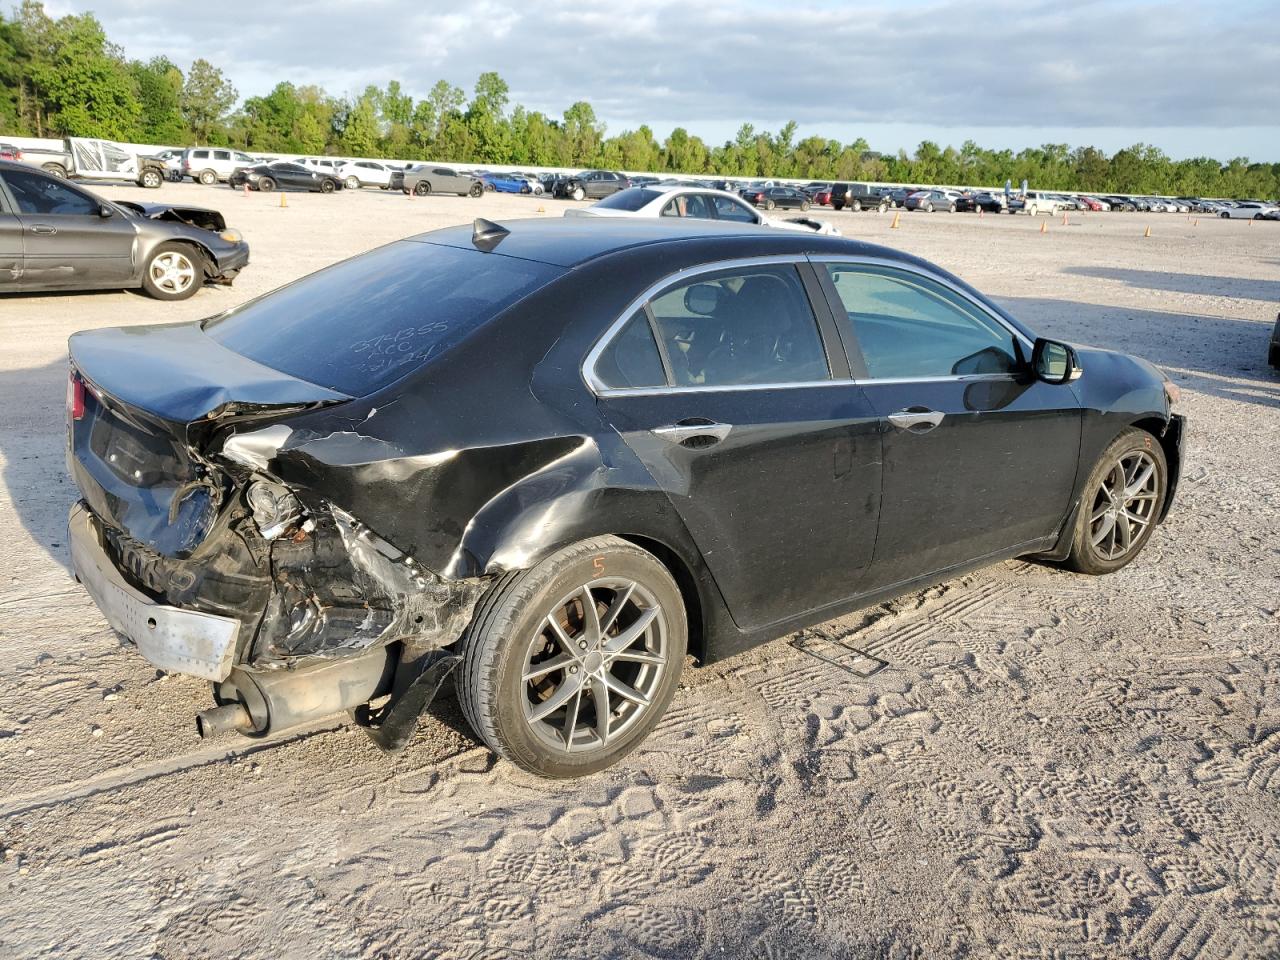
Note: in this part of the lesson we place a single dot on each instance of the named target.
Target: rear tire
(328, 186)
(578, 193)
(804, 205)
(769, 204)
(150, 179)
(857, 206)
(1120, 504)
(174, 271)
(57, 169)
(512, 637)
(266, 184)
(421, 188)
(476, 191)
(208, 177)
(353, 183)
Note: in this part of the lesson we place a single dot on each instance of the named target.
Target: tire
(882, 208)
(928, 208)
(353, 183)
(1131, 453)
(804, 205)
(578, 193)
(837, 206)
(951, 209)
(266, 184)
(857, 206)
(769, 204)
(476, 191)
(57, 169)
(208, 177)
(1257, 216)
(328, 185)
(1224, 215)
(1033, 211)
(511, 632)
(174, 271)
(150, 179)
(421, 188)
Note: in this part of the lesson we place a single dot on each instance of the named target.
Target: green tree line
(64, 77)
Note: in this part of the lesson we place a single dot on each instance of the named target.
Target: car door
(10, 246)
(725, 383)
(67, 243)
(979, 456)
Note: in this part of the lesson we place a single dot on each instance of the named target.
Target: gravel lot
(1050, 766)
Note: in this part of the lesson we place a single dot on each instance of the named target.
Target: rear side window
(743, 326)
(364, 323)
(631, 200)
(631, 358)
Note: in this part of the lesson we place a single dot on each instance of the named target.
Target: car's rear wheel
(769, 204)
(857, 206)
(208, 177)
(1033, 211)
(567, 666)
(578, 193)
(928, 208)
(804, 205)
(150, 179)
(266, 184)
(421, 188)
(476, 191)
(951, 208)
(174, 271)
(328, 186)
(1123, 499)
(353, 183)
(838, 206)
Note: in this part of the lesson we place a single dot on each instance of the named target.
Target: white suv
(365, 173)
(327, 165)
(208, 165)
(1036, 202)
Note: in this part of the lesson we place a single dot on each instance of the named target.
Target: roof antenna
(486, 234)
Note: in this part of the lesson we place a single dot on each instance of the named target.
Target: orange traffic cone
(1148, 233)
(283, 202)
(979, 213)
(894, 225)
(542, 209)
(1044, 226)
(1195, 222)
(246, 188)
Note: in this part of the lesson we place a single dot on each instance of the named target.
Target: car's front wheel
(567, 666)
(353, 183)
(1122, 501)
(150, 179)
(174, 272)
(328, 186)
(208, 178)
(476, 191)
(422, 188)
(266, 184)
(578, 193)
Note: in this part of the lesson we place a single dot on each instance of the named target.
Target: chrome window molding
(600, 389)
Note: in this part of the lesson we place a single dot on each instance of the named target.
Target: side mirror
(1054, 362)
(105, 211)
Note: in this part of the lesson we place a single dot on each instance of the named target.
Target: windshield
(631, 200)
(364, 323)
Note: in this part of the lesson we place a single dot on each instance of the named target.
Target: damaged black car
(55, 235)
(552, 459)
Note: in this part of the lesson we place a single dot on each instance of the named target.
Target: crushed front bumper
(182, 641)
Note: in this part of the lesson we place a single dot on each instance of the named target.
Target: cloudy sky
(1194, 78)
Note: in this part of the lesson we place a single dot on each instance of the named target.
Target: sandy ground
(1050, 766)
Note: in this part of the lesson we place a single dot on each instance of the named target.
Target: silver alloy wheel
(353, 183)
(172, 272)
(595, 666)
(1124, 505)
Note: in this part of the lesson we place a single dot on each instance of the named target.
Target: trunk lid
(152, 396)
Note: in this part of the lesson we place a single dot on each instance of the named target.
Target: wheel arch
(1168, 432)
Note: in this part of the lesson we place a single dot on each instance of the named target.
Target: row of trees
(65, 77)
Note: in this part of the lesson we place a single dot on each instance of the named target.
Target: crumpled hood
(175, 372)
(197, 216)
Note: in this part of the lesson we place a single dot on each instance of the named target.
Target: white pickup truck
(86, 159)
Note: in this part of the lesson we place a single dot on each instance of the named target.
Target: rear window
(364, 323)
(632, 199)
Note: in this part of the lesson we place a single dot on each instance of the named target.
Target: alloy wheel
(172, 272)
(1124, 505)
(595, 665)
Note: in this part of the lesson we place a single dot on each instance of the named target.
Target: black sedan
(690, 437)
(56, 235)
(284, 175)
(787, 198)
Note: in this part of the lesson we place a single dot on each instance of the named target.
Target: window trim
(847, 342)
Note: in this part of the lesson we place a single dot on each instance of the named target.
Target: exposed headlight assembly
(231, 236)
(274, 508)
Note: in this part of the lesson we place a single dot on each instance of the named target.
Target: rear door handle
(694, 434)
(43, 229)
(916, 419)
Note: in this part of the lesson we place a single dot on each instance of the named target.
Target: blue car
(505, 184)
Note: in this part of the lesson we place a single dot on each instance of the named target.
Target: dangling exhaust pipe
(256, 703)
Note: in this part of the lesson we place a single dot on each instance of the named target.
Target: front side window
(727, 209)
(742, 326)
(908, 326)
(45, 196)
(693, 205)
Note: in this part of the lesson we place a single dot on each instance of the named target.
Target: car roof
(572, 241)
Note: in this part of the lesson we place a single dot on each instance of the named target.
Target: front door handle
(916, 419)
(43, 229)
(694, 434)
